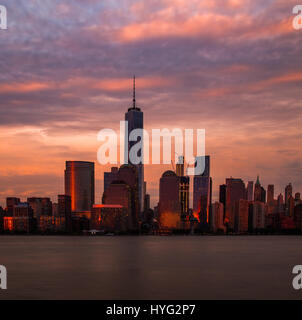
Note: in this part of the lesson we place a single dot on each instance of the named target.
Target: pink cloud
(23, 87)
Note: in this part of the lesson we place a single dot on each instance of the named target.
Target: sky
(231, 67)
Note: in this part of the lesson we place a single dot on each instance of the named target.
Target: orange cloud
(118, 84)
(291, 77)
(23, 87)
(269, 30)
(124, 83)
(286, 78)
(207, 24)
(171, 23)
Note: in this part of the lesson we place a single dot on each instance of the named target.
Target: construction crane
(173, 166)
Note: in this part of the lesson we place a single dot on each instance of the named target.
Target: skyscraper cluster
(250, 208)
(242, 208)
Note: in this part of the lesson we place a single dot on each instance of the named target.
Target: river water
(172, 267)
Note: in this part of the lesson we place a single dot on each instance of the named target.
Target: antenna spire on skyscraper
(134, 106)
(134, 98)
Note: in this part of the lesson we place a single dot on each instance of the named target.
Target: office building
(235, 191)
(241, 223)
(109, 177)
(202, 193)
(259, 193)
(184, 195)
(79, 185)
(222, 197)
(23, 220)
(256, 216)
(124, 191)
(217, 220)
(288, 195)
(109, 218)
(169, 209)
(10, 203)
(270, 194)
(40, 206)
(250, 191)
(135, 120)
(63, 220)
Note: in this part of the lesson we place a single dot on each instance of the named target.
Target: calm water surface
(150, 267)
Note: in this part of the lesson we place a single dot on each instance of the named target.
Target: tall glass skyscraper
(135, 118)
(79, 185)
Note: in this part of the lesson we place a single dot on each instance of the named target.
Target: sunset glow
(231, 67)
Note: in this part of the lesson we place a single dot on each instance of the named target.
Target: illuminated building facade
(1, 220)
(79, 185)
(109, 218)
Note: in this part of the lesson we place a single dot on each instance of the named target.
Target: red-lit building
(8, 224)
(46, 224)
(109, 218)
(79, 184)
(1, 219)
(23, 220)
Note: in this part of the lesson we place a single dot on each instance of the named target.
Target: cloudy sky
(233, 67)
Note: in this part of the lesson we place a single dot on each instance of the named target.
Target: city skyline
(150, 153)
(240, 80)
(136, 121)
(80, 170)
